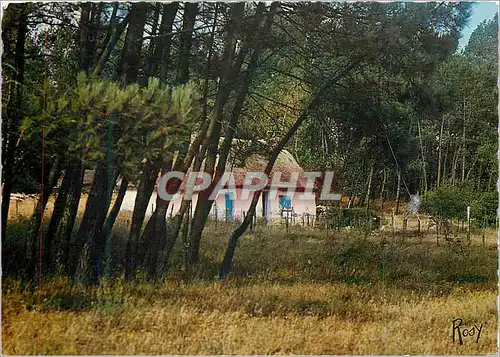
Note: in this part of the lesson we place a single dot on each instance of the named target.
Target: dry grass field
(302, 292)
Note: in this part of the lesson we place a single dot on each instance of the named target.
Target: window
(285, 202)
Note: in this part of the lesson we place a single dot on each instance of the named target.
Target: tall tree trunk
(131, 55)
(110, 46)
(85, 46)
(479, 176)
(464, 145)
(369, 186)
(204, 204)
(162, 51)
(440, 150)
(212, 140)
(382, 190)
(109, 223)
(15, 16)
(155, 231)
(422, 151)
(153, 42)
(36, 223)
(454, 166)
(190, 12)
(88, 240)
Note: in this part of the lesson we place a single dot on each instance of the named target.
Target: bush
(484, 209)
(448, 202)
(352, 217)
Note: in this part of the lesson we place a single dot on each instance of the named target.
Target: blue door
(229, 206)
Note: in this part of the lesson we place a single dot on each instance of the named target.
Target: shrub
(448, 202)
(352, 217)
(484, 209)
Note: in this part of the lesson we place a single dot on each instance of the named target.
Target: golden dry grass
(304, 292)
(225, 318)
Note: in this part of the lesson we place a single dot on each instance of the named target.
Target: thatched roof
(253, 159)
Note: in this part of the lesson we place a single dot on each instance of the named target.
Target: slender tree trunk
(110, 220)
(479, 176)
(398, 191)
(440, 149)
(454, 166)
(153, 42)
(188, 19)
(144, 192)
(490, 180)
(445, 165)
(65, 231)
(464, 145)
(472, 166)
(57, 213)
(382, 190)
(155, 228)
(422, 151)
(85, 47)
(369, 186)
(110, 46)
(131, 55)
(162, 52)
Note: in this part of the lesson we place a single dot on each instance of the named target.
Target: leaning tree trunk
(398, 191)
(59, 207)
(87, 262)
(204, 203)
(144, 192)
(369, 187)
(196, 150)
(233, 240)
(33, 239)
(110, 220)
